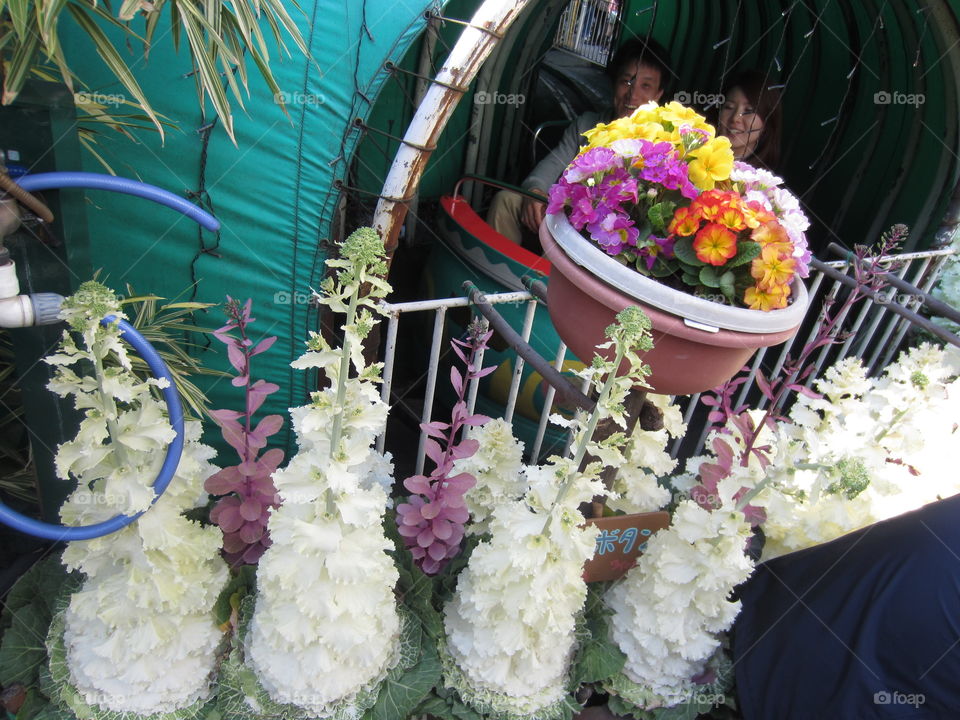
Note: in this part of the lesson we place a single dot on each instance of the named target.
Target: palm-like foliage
(170, 329)
(219, 37)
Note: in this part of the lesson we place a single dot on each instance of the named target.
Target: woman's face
(739, 121)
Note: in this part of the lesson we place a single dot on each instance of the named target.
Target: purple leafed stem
(431, 521)
(792, 378)
(247, 487)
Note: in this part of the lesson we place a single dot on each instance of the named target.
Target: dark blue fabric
(866, 626)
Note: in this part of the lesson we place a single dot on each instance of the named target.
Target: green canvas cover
(273, 192)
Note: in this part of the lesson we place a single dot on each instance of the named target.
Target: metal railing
(588, 28)
(875, 335)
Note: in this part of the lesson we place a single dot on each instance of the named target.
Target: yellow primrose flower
(711, 163)
(772, 268)
(773, 298)
(678, 114)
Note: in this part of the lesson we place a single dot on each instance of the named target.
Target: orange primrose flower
(732, 218)
(772, 268)
(774, 298)
(686, 221)
(714, 244)
(773, 234)
(756, 214)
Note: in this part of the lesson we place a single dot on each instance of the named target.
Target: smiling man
(638, 71)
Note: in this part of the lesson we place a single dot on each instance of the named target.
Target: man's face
(635, 85)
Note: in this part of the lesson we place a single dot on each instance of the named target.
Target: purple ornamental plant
(431, 521)
(247, 487)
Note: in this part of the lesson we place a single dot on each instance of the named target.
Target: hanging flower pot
(698, 344)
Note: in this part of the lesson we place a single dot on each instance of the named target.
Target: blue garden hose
(171, 461)
(98, 181)
(48, 181)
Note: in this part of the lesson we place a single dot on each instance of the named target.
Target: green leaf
(22, 650)
(691, 280)
(243, 583)
(111, 57)
(708, 276)
(727, 285)
(399, 697)
(620, 707)
(24, 57)
(684, 251)
(661, 214)
(20, 16)
(446, 705)
(746, 252)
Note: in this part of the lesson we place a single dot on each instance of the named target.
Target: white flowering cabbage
(139, 635)
(636, 488)
(670, 610)
(869, 449)
(510, 627)
(497, 466)
(325, 630)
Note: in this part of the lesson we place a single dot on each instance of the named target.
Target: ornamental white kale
(510, 625)
(868, 449)
(325, 629)
(669, 610)
(636, 488)
(498, 468)
(139, 634)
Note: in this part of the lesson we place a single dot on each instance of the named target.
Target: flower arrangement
(139, 635)
(660, 192)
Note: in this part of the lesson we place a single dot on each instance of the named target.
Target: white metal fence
(588, 28)
(875, 336)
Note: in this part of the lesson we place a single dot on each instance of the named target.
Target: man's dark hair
(647, 52)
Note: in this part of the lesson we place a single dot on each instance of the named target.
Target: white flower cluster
(510, 625)
(497, 466)
(325, 628)
(140, 635)
(646, 459)
(869, 449)
(669, 610)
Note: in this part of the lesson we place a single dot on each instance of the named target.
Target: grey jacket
(548, 170)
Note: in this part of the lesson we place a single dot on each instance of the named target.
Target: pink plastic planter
(686, 359)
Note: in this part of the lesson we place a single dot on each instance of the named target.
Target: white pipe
(16, 310)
